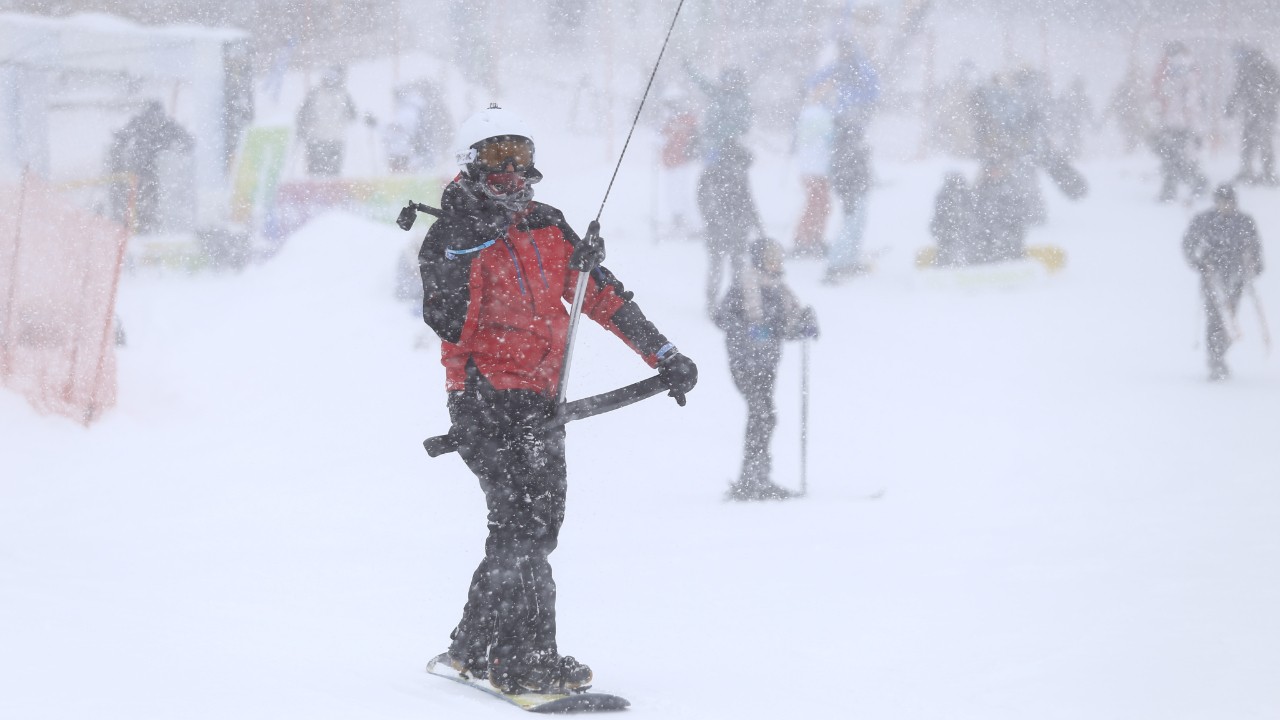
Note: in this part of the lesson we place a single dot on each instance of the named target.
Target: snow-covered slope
(1074, 523)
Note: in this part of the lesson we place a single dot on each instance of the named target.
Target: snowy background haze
(1025, 500)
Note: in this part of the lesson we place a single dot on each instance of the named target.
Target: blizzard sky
(1073, 523)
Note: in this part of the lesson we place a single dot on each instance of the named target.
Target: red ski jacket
(497, 297)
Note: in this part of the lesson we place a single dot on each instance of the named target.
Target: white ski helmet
(491, 122)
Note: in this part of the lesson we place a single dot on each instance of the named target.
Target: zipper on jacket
(515, 260)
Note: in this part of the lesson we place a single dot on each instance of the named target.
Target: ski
(575, 702)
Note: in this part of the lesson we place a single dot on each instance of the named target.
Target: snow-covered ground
(1074, 523)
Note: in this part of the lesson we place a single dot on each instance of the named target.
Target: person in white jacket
(815, 129)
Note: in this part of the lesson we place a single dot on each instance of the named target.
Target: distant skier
(495, 275)
(1222, 245)
(814, 134)
(322, 122)
(1180, 114)
(678, 157)
(757, 315)
(851, 180)
(134, 158)
(1010, 122)
(857, 89)
(728, 212)
(1255, 97)
(1003, 214)
(1127, 106)
(952, 226)
(420, 128)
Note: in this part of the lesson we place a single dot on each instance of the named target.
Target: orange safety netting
(59, 270)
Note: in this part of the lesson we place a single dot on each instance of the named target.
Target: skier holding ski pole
(1222, 245)
(757, 315)
(496, 268)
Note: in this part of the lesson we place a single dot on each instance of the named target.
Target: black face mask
(509, 190)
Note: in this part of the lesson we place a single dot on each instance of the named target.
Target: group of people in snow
(413, 139)
(498, 268)
(987, 222)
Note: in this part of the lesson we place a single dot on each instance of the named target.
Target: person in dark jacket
(1255, 97)
(757, 315)
(496, 272)
(728, 214)
(952, 225)
(1222, 245)
(857, 89)
(851, 181)
(1002, 213)
(134, 159)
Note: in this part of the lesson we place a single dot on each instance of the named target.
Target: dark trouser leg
(1248, 148)
(147, 202)
(1218, 302)
(1259, 133)
(756, 380)
(1186, 169)
(1168, 181)
(1170, 146)
(510, 608)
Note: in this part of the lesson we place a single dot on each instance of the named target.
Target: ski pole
(1262, 319)
(804, 417)
(593, 230)
(575, 311)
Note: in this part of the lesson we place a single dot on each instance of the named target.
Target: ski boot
(768, 491)
(757, 490)
(1218, 372)
(469, 667)
(543, 671)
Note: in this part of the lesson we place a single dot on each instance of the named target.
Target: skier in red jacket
(496, 270)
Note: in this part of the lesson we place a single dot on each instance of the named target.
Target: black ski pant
(511, 605)
(1220, 303)
(755, 375)
(1256, 141)
(1177, 165)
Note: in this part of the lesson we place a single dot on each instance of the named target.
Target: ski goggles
(498, 154)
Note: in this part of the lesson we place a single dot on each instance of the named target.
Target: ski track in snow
(1076, 524)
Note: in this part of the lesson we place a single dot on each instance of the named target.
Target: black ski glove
(588, 253)
(679, 373)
